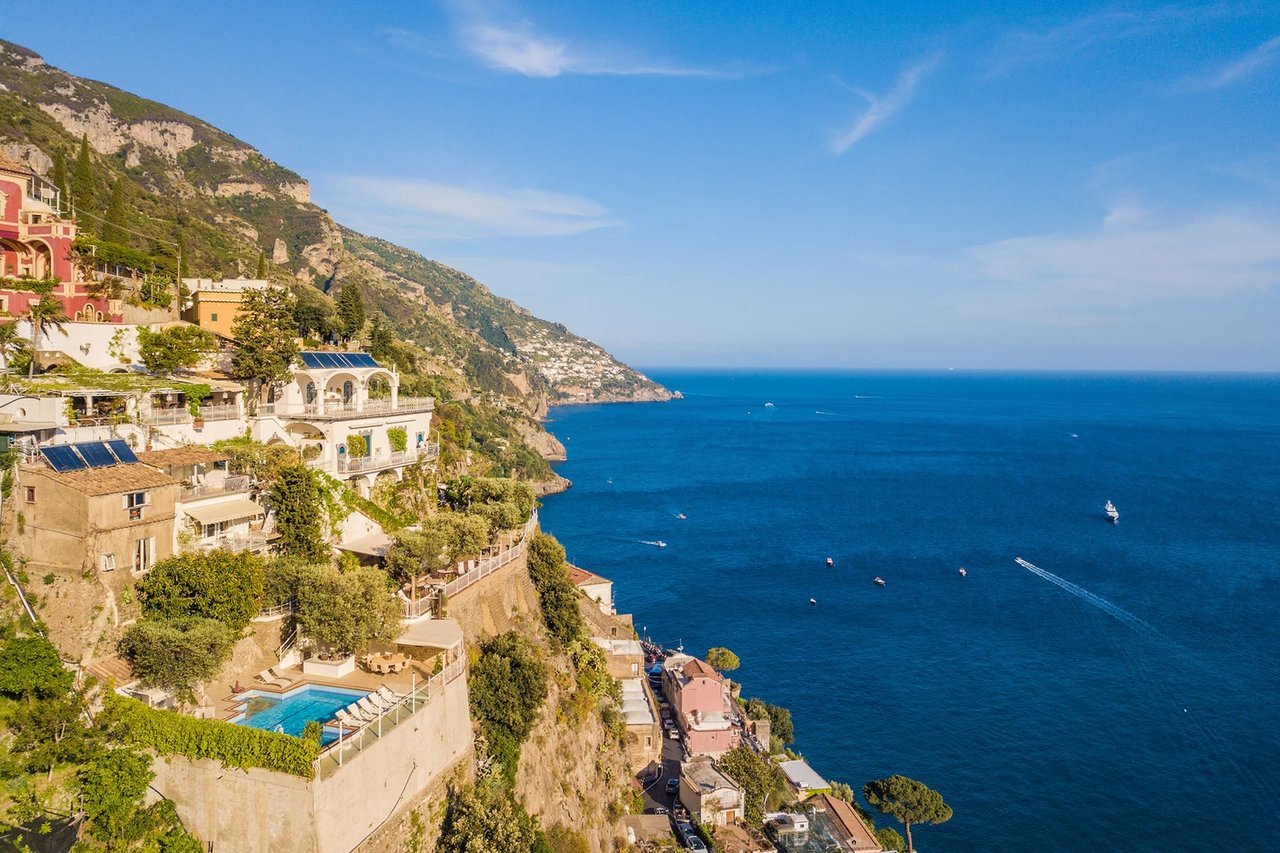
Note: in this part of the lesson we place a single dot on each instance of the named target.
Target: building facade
(701, 705)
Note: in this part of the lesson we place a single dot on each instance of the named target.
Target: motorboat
(830, 562)
(681, 516)
(813, 601)
(963, 572)
(879, 581)
(1112, 512)
(768, 405)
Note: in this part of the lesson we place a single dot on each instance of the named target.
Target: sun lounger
(380, 703)
(270, 677)
(359, 713)
(369, 708)
(278, 672)
(388, 694)
(348, 720)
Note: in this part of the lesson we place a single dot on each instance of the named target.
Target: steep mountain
(194, 191)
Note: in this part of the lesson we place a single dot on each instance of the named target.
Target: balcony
(252, 542)
(218, 413)
(162, 417)
(229, 486)
(354, 465)
(348, 411)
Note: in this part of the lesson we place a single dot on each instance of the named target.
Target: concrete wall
(238, 811)
(89, 343)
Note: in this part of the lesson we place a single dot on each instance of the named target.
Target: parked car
(658, 810)
(690, 838)
(673, 733)
(673, 784)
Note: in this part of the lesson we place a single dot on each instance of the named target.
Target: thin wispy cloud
(1259, 59)
(516, 46)
(1135, 260)
(1029, 47)
(881, 108)
(422, 209)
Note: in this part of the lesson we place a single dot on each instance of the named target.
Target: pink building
(35, 242)
(701, 705)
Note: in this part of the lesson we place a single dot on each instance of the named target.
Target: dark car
(673, 785)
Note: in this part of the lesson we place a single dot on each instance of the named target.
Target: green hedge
(170, 733)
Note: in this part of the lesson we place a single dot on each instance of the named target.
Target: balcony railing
(219, 413)
(355, 464)
(230, 485)
(252, 542)
(348, 411)
(167, 416)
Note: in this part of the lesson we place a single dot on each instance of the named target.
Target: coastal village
(273, 585)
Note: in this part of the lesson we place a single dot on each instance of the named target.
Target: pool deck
(402, 682)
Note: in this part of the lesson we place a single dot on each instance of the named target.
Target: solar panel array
(337, 359)
(88, 454)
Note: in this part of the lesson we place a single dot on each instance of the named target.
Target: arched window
(347, 391)
(311, 392)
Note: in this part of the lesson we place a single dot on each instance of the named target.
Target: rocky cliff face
(194, 184)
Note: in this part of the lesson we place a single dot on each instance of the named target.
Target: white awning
(373, 544)
(433, 634)
(212, 513)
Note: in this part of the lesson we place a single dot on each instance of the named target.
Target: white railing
(219, 413)
(167, 416)
(269, 614)
(252, 542)
(348, 411)
(353, 741)
(505, 556)
(350, 464)
(229, 486)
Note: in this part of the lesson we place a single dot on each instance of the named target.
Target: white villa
(350, 408)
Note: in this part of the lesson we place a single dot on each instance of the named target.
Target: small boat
(768, 405)
(681, 516)
(879, 581)
(1112, 512)
(830, 562)
(813, 601)
(963, 572)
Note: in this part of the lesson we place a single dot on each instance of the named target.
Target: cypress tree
(83, 194)
(59, 178)
(113, 226)
(262, 266)
(350, 310)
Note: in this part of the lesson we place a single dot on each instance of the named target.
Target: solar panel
(345, 359)
(363, 359)
(310, 359)
(63, 458)
(95, 453)
(332, 360)
(122, 450)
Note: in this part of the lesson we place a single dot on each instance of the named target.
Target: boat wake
(657, 543)
(1117, 613)
(824, 413)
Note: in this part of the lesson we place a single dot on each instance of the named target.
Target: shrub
(559, 597)
(779, 718)
(30, 666)
(357, 446)
(398, 438)
(177, 654)
(508, 684)
(170, 733)
(218, 585)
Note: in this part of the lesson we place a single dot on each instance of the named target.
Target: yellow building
(215, 305)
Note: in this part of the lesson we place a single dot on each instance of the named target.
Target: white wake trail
(1117, 613)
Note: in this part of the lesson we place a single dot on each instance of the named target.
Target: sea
(1120, 694)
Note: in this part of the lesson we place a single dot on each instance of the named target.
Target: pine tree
(350, 313)
(113, 226)
(262, 266)
(59, 178)
(83, 194)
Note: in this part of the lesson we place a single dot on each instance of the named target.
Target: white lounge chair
(389, 695)
(382, 704)
(369, 708)
(269, 677)
(359, 713)
(278, 672)
(348, 720)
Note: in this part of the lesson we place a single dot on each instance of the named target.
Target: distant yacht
(879, 581)
(830, 562)
(813, 601)
(963, 572)
(768, 405)
(681, 516)
(1112, 512)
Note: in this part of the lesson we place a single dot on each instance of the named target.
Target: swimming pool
(289, 712)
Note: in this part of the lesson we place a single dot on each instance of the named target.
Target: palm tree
(45, 314)
(10, 343)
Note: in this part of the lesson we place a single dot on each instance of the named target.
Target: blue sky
(976, 185)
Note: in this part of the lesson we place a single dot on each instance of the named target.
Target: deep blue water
(1139, 712)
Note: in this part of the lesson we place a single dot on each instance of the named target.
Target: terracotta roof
(848, 822)
(115, 480)
(8, 164)
(697, 669)
(582, 576)
(193, 455)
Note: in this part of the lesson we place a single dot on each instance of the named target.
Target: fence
(219, 413)
(348, 464)
(167, 416)
(354, 741)
(231, 485)
(505, 556)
